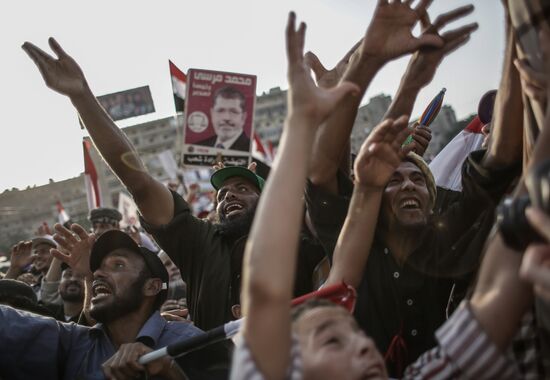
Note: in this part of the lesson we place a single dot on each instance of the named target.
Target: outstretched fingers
(458, 37)
(39, 56)
(79, 231)
(442, 20)
(64, 237)
(56, 47)
(380, 131)
(313, 62)
(294, 39)
(397, 128)
(422, 6)
(66, 258)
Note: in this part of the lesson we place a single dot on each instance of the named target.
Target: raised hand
(75, 246)
(330, 78)
(425, 61)
(381, 153)
(389, 34)
(21, 255)
(62, 74)
(305, 98)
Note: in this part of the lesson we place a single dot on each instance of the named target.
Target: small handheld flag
(430, 113)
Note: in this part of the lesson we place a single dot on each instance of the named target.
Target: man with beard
(228, 116)
(71, 294)
(209, 255)
(129, 285)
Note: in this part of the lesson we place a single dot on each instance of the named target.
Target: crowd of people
(430, 283)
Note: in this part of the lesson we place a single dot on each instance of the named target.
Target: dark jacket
(211, 263)
(406, 303)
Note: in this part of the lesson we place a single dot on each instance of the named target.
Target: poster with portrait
(219, 113)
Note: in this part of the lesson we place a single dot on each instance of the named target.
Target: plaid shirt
(526, 349)
(464, 351)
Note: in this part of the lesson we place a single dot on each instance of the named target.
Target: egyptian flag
(90, 178)
(262, 154)
(447, 165)
(179, 81)
(63, 218)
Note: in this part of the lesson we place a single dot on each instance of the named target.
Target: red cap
(341, 294)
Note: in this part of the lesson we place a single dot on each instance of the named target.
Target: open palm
(62, 74)
(381, 153)
(74, 249)
(390, 35)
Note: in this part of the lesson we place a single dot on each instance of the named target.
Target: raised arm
(424, 63)
(506, 139)
(62, 74)
(423, 66)
(49, 289)
(378, 158)
(388, 37)
(270, 255)
(501, 294)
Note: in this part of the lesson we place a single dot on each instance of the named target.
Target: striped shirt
(464, 351)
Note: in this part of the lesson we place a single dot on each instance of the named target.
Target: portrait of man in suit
(228, 115)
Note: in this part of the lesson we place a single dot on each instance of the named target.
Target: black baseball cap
(115, 239)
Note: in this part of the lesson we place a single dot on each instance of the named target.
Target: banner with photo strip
(130, 103)
(219, 113)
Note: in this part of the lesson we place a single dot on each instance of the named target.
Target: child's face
(334, 347)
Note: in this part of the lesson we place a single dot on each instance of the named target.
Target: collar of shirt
(227, 144)
(149, 334)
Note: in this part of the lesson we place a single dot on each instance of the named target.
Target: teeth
(101, 289)
(410, 203)
(234, 207)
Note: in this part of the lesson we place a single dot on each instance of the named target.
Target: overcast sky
(123, 44)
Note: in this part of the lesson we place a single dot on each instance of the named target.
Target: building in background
(444, 128)
(22, 211)
(368, 117)
(269, 116)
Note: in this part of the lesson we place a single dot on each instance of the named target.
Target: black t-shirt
(211, 263)
(406, 304)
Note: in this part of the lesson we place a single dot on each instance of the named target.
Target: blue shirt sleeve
(33, 346)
